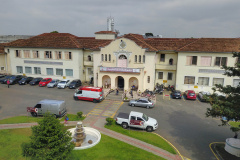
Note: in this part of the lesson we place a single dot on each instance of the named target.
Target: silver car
(142, 102)
(203, 95)
(53, 83)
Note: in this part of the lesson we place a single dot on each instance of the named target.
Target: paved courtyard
(181, 122)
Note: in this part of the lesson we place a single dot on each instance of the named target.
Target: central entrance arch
(119, 81)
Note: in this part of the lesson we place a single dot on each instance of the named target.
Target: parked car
(190, 94)
(176, 94)
(35, 81)
(2, 75)
(137, 120)
(44, 82)
(54, 107)
(203, 95)
(25, 80)
(15, 79)
(4, 80)
(142, 102)
(53, 83)
(63, 84)
(75, 83)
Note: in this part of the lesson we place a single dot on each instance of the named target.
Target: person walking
(8, 82)
(66, 119)
(117, 91)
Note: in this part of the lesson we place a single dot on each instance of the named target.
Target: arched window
(109, 57)
(89, 58)
(170, 61)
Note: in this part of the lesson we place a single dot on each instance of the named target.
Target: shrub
(109, 121)
(79, 114)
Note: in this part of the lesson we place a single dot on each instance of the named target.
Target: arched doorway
(106, 81)
(133, 81)
(122, 61)
(119, 82)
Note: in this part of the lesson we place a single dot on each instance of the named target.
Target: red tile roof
(66, 40)
(2, 47)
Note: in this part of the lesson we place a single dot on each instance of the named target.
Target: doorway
(120, 82)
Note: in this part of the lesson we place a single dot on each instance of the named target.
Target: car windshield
(44, 80)
(24, 79)
(191, 94)
(62, 82)
(73, 82)
(35, 79)
(8, 77)
(145, 117)
(53, 81)
(13, 77)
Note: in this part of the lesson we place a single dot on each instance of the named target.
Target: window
(26, 53)
(109, 57)
(68, 55)
(69, 72)
(218, 81)
(206, 61)
(102, 57)
(221, 61)
(59, 72)
(18, 53)
(48, 54)
(148, 79)
(49, 71)
(162, 58)
(236, 82)
(143, 58)
(203, 81)
(237, 60)
(35, 54)
(19, 69)
(189, 80)
(191, 60)
(37, 70)
(139, 59)
(135, 59)
(28, 70)
(8, 50)
(133, 118)
(105, 57)
(170, 75)
(58, 55)
(89, 58)
(170, 61)
(160, 75)
(2, 68)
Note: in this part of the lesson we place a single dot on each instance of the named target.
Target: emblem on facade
(122, 44)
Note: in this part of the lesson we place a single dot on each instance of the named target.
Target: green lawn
(143, 136)
(108, 148)
(234, 124)
(30, 119)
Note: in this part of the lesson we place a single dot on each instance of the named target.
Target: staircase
(113, 96)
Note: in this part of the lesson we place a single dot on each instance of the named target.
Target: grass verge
(143, 136)
(30, 119)
(234, 124)
(108, 148)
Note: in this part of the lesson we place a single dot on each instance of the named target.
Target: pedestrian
(8, 82)
(106, 85)
(66, 119)
(117, 91)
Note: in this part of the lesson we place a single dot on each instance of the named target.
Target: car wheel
(132, 105)
(147, 107)
(34, 114)
(124, 125)
(149, 129)
(94, 101)
(75, 98)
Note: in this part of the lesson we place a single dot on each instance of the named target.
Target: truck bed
(123, 115)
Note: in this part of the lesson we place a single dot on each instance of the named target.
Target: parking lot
(182, 122)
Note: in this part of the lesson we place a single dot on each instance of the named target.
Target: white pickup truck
(137, 120)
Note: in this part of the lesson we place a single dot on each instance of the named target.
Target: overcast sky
(169, 18)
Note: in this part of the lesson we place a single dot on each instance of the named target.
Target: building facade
(124, 61)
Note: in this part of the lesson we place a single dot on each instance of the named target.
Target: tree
(49, 140)
(149, 34)
(227, 106)
(54, 32)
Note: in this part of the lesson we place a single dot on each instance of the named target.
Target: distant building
(10, 38)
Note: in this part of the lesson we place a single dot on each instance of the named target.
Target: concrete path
(98, 123)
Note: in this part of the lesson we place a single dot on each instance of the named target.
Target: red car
(190, 94)
(44, 82)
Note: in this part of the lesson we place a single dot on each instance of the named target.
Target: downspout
(6, 61)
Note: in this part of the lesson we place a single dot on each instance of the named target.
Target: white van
(94, 94)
